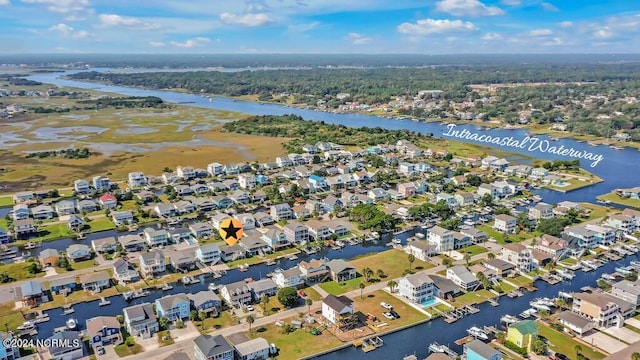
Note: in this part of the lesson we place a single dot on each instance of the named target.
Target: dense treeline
(81, 153)
(126, 102)
(310, 132)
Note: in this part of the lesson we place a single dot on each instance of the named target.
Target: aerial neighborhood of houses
(474, 222)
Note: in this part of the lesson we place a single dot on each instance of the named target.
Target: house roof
(178, 356)
(338, 265)
(422, 245)
(262, 285)
(525, 327)
(171, 301)
(601, 300)
(443, 284)
(152, 255)
(48, 253)
(574, 319)
(482, 349)
(104, 241)
(65, 341)
(71, 279)
(31, 288)
(418, 279)
(77, 247)
(211, 346)
(251, 346)
(95, 325)
(202, 297)
(439, 231)
(499, 264)
(628, 287)
(462, 273)
(143, 311)
(93, 277)
(338, 303)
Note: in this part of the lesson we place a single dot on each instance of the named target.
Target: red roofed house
(108, 201)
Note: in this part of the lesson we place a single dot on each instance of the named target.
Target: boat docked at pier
(477, 333)
(509, 319)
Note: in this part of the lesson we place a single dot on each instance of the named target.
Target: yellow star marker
(231, 231)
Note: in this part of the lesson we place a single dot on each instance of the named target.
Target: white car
(389, 316)
(386, 306)
(249, 307)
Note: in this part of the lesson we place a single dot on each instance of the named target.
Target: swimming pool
(429, 303)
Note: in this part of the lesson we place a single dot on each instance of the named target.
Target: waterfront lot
(393, 262)
(616, 199)
(370, 304)
(564, 344)
(473, 297)
(335, 288)
(223, 320)
(604, 342)
(596, 211)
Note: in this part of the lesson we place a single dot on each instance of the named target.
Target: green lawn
(335, 288)
(312, 294)
(473, 250)
(101, 224)
(12, 318)
(6, 201)
(569, 261)
(597, 211)
(521, 281)
(506, 287)
(211, 324)
(87, 264)
(297, 344)
(123, 350)
(562, 343)
(18, 271)
(473, 297)
(55, 231)
(165, 338)
(616, 199)
(498, 235)
(393, 262)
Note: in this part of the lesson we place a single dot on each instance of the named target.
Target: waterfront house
(65, 207)
(444, 288)
(253, 245)
(462, 277)
(627, 291)
(121, 218)
(622, 222)
(86, 206)
(247, 181)
(551, 245)
(101, 183)
(184, 207)
(183, 190)
(275, 238)
(604, 235)
(313, 271)
(281, 212)
(177, 235)
(75, 223)
(208, 347)
(505, 223)
(173, 307)
(247, 220)
(137, 179)
(23, 196)
(441, 238)
(48, 257)
(183, 260)
(170, 178)
(23, 227)
(156, 237)
(231, 184)
(318, 229)
(477, 350)
(201, 230)
(519, 255)
(488, 189)
(231, 253)
(501, 267)
(152, 263)
(604, 310)
(541, 211)
(255, 349)
(291, 277)
(580, 237)
(523, 333)
(30, 293)
(575, 322)
(335, 309)
(140, 320)
(240, 197)
(78, 252)
(215, 169)
(124, 272)
(96, 281)
(341, 270)
(417, 288)
(420, 249)
(236, 294)
(538, 173)
(296, 233)
(42, 212)
(20, 212)
(208, 254)
(81, 186)
(65, 284)
(108, 201)
(206, 301)
(132, 243)
(186, 172)
(263, 287)
(65, 345)
(103, 330)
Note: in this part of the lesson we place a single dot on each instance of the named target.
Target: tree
(194, 315)
(500, 336)
(486, 200)
(163, 322)
(250, 320)
(562, 303)
(288, 296)
(367, 273)
(467, 257)
(578, 349)
(202, 315)
(361, 288)
(392, 285)
(447, 262)
(539, 347)
(491, 255)
(635, 356)
(264, 300)
(411, 259)
(308, 302)
(380, 273)
(179, 323)
(120, 319)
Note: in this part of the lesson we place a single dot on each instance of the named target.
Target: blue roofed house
(30, 293)
(208, 254)
(173, 307)
(63, 284)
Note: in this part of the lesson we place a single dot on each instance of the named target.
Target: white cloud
(248, 20)
(427, 27)
(603, 33)
(191, 43)
(549, 6)
(156, 43)
(74, 18)
(511, 2)
(61, 6)
(68, 31)
(4, 2)
(491, 36)
(357, 39)
(472, 8)
(113, 20)
(566, 24)
(300, 28)
(540, 32)
(554, 42)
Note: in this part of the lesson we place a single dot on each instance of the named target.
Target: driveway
(604, 342)
(627, 335)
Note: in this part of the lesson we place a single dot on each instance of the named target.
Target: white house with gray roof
(441, 238)
(140, 320)
(263, 287)
(417, 288)
(462, 277)
(290, 277)
(236, 294)
(208, 347)
(255, 349)
(152, 263)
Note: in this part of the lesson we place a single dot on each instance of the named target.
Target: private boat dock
(369, 344)
(68, 309)
(437, 348)
(104, 302)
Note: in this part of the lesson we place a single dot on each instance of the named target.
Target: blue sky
(320, 26)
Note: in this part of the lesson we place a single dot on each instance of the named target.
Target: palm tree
(635, 356)
(491, 255)
(447, 262)
(367, 272)
(411, 259)
(467, 258)
(380, 273)
(562, 303)
(265, 302)
(361, 288)
(308, 302)
(392, 285)
(578, 349)
(250, 320)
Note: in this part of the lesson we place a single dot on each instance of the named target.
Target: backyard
(392, 262)
(562, 343)
(370, 304)
(335, 288)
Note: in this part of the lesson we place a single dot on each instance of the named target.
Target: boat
(478, 333)
(508, 319)
(616, 147)
(608, 277)
(539, 306)
(622, 271)
(27, 325)
(546, 301)
(271, 262)
(244, 267)
(396, 241)
(565, 295)
(71, 323)
(527, 313)
(436, 348)
(292, 257)
(166, 287)
(213, 287)
(31, 245)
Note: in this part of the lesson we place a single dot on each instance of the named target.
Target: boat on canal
(509, 319)
(26, 326)
(477, 333)
(71, 323)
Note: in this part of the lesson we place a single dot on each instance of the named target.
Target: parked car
(249, 307)
(394, 313)
(386, 306)
(100, 350)
(389, 316)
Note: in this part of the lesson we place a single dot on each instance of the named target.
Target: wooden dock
(493, 302)
(470, 309)
(464, 340)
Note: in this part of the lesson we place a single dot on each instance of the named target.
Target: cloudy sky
(320, 26)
